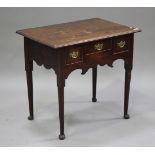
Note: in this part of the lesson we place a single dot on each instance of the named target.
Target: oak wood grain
(61, 35)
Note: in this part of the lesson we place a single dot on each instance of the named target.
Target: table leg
(29, 69)
(30, 90)
(127, 88)
(61, 110)
(94, 81)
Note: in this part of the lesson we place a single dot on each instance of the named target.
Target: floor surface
(86, 123)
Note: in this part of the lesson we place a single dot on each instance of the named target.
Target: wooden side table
(78, 45)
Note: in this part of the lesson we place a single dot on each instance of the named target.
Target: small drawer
(73, 54)
(98, 46)
(121, 44)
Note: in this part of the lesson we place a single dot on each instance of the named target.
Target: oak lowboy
(78, 45)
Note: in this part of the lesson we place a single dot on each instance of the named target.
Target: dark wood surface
(72, 33)
(80, 49)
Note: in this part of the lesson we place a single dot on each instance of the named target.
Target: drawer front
(98, 46)
(96, 51)
(73, 54)
(121, 44)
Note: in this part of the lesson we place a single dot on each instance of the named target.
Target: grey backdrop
(86, 123)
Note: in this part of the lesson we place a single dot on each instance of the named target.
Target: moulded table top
(66, 34)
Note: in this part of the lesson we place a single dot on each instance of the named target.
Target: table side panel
(67, 59)
(43, 55)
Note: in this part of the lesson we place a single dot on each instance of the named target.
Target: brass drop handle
(99, 46)
(74, 54)
(121, 44)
